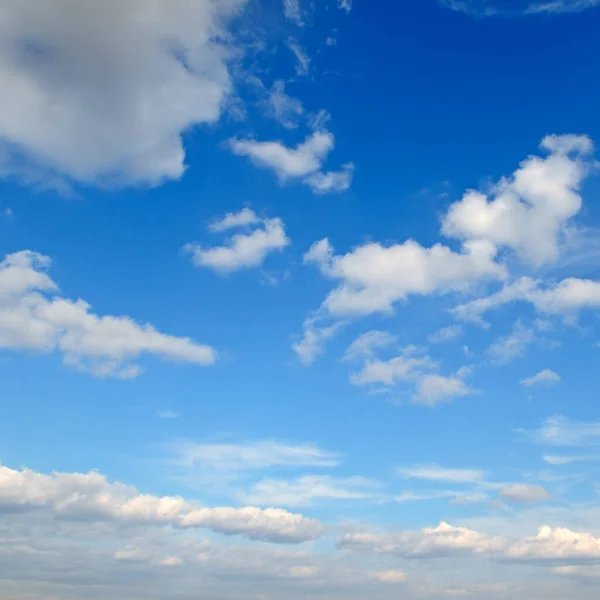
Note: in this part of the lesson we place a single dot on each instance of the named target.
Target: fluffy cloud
(304, 162)
(365, 345)
(242, 250)
(345, 5)
(521, 493)
(283, 108)
(101, 92)
(374, 277)
(291, 10)
(513, 8)
(443, 540)
(90, 497)
(447, 334)
(527, 212)
(34, 317)
(314, 338)
(556, 544)
(433, 389)
(392, 576)
(544, 377)
(564, 298)
(302, 59)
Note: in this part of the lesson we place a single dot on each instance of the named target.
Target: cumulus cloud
(544, 377)
(312, 343)
(33, 316)
(521, 493)
(304, 162)
(373, 277)
(446, 334)
(241, 250)
(365, 345)
(90, 497)
(440, 541)
(433, 389)
(527, 212)
(103, 92)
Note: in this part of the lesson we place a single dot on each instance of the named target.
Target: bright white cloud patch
(545, 377)
(91, 498)
(373, 277)
(314, 338)
(447, 334)
(242, 250)
(433, 389)
(528, 211)
(507, 348)
(365, 345)
(331, 181)
(33, 316)
(103, 91)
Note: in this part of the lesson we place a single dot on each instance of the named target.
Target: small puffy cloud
(254, 456)
(93, 102)
(560, 431)
(310, 489)
(365, 345)
(521, 493)
(170, 561)
(91, 498)
(283, 108)
(527, 212)
(564, 298)
(544, 377)
(242, 250)
(372, 278)
(439, 474)
(168, 415)
(447, 334)
(392, 576)
(441, 541)
(556, 544)
(507, 348)
(33, 316)
(345, 5)
(331, 181)
(434, 389)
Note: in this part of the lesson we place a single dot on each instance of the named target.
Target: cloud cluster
(90, 497)
(242, 250)
(103, 92)
(33, 316)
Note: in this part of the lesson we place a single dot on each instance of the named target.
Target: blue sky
(299, 299)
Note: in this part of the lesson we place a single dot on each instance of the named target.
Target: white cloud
(500, 8)
(557, 461)
(331, 181)
(91, 498)
(560, 431)
(392, 576)
(447, 334)
(283, 108)
(242, 218)
(436, 473)
(364, 345)
(310, 489)
(556, 544)
(103, 92)
(314, 338)
(454, 496)
(242, 250)
(521, 493)
(545, 377)
(508, 348)
(374, 277)
(564, 298)
(254, 456)
(302, 59)
(303, 160)
(168, 415)
(443, 540)
(34, 317)
(433, 389)
(292, 11)
(528, 211)
(345, 5)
